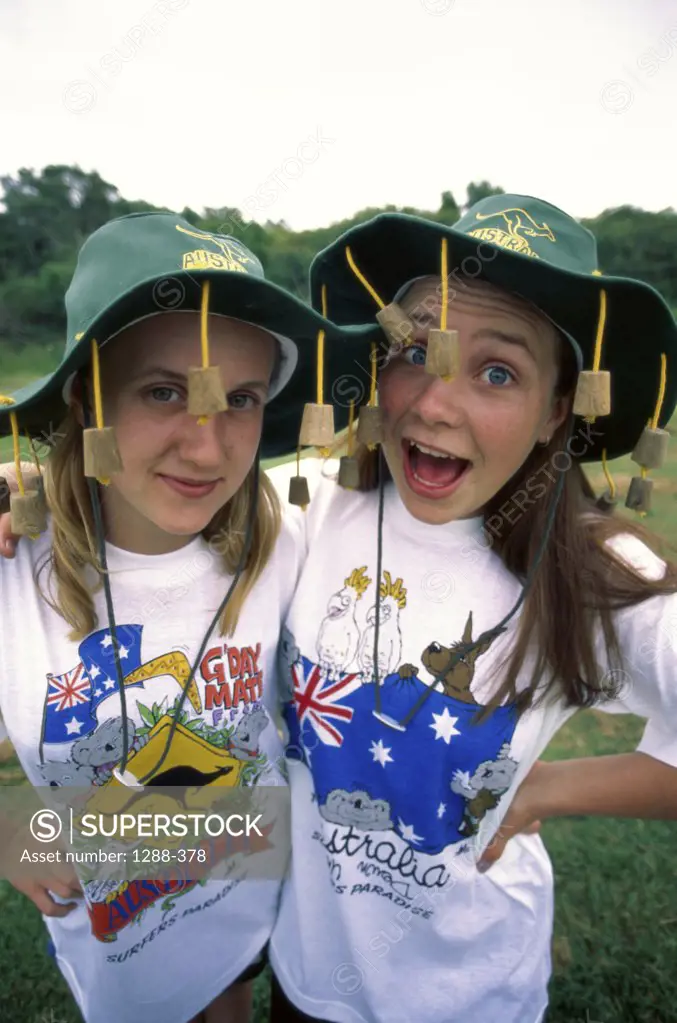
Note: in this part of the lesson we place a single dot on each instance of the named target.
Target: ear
(559, 410)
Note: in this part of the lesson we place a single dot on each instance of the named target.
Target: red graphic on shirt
(232, 675)
(115, 905)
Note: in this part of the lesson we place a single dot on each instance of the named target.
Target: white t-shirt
(385, 918)
(141, 954)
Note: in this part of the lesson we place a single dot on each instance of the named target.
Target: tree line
(47, 215)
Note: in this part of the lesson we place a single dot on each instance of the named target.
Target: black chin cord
(379, 562)
(100, 534)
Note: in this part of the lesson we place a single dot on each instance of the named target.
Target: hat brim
(393, 248)
(40, 405)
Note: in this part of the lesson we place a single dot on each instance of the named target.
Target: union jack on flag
(317, 700)
(69, 689)
(68, 706)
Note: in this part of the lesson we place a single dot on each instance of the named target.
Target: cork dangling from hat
(593, 388)
(206, 396)
(443, 355)
(349, 469)
(28, 508)
(100, 448)
(370, 421)
(317, 424)
(649, 453)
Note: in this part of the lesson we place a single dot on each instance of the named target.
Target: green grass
(615, 943)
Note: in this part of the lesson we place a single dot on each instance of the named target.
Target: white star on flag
(107, 641)
(124, 652)
(407, 831)
(441, 810)
(444, 726)
(73, 726)
(94, 672)
(381, 753)
(98, 692)
(109, 683)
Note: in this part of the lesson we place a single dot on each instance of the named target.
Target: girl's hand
(523, 816)
(8, 539)
(60, 879)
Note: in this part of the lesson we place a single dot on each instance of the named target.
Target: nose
(439, 403)
(203, 443)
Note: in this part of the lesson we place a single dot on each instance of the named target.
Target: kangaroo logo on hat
(231, 257)
(511, 239)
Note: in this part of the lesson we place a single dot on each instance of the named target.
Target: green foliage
(478, 190)
(48, 215)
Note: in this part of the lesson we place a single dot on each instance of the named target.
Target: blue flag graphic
(73, 698)
(431, 783)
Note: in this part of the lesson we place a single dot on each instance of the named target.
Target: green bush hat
(622, 330)
(145, 264)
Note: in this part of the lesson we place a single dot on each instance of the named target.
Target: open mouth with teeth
(431, 472)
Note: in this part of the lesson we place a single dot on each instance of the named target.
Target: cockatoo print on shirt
(392, 600)
(339, 633)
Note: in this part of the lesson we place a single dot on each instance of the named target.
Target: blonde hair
(74, 547)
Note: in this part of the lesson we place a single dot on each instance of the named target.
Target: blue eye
(498, 376)
(415, 355)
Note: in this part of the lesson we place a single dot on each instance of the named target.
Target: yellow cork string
(298, 460)
(601, 324)
(96, 374)
(610, 482)
(320, 350)
(661, 393)
(653, 423)
(204, 337)
(351, 416)
(98, 403)
(363, 280)
(372, 393)
(600, 332)
(445, 286)
(6, 400)
(379, 301)
(17, 453)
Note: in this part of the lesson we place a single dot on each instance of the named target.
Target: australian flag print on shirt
(431, 783)
(73, 697)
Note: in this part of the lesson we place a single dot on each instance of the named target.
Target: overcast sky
(309, 110)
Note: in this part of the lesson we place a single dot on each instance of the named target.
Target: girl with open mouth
(489, 595)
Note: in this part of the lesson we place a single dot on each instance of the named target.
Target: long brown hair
(74, 547)
(579, 582)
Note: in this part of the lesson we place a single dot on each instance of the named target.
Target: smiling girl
(140, 625)
(484, 598)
